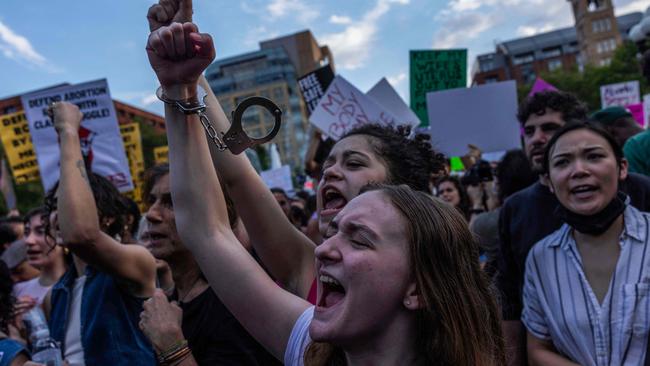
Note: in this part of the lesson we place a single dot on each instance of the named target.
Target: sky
(43, 43)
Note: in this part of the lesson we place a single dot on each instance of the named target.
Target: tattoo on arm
(82, 169)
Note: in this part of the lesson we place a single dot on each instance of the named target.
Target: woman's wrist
(180, 91)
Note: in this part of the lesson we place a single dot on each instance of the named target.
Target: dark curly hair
(108, 201)
(7, 298)
(566, 103)
(410, 161)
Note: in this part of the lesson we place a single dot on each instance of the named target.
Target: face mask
(595, 224)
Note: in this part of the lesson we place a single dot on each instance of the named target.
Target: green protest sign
(432, 70)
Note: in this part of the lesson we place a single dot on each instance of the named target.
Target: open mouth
(153, 237)
(583, 190)
(332, 291)
(333, 199)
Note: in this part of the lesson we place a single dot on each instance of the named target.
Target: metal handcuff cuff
(235, 139)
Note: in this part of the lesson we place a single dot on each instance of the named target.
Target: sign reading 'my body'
(433, 70)
(99, 134)
(344, 107)
(314, 85)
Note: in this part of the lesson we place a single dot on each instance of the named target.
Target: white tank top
(74, 352)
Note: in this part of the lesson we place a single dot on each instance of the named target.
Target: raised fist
(65, 116)
(179, 54)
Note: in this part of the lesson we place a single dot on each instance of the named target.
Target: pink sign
(540, 86)
(637, 112)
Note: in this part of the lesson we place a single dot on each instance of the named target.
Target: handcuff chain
(211, 131)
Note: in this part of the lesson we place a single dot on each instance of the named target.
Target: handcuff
(235, 139)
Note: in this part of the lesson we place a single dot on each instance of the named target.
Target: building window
(606, 45)
(487, 66)
(491, 79)
(524, 58)
(554, 65)
(552, 52)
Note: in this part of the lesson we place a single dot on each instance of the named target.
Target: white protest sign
(385, 95)
(646, 111)
(620, 94)
(278, 178)
(482, 115)
(99, 134)
(344, 107)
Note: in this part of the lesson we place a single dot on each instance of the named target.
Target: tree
(586, 85)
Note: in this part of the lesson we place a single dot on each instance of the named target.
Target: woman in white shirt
(398, 276)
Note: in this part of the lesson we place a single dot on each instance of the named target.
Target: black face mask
(595, 224)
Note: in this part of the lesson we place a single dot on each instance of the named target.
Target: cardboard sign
(132, 141)
(17, 143)
(313, 86)
(161, 154)
(432, 70)
(621, 94)
(482, 115)
(101, 143)
(385, 95)
(344, 107)
(278, 178)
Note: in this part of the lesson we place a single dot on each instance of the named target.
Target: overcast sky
(43, 43)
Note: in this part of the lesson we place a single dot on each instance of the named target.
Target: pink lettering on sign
(349, 113)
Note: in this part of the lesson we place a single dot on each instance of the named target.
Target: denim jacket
(109, 320)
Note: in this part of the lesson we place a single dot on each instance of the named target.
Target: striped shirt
(560, 306)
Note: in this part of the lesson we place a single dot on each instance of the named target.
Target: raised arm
(78, 219)
(286, 252)
(199, 205)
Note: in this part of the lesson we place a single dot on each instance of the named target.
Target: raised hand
(169, 11)
(66, 116)
(179, 54)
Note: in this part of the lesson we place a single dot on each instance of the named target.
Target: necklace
(182, 301)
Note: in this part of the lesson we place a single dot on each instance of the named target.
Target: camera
(478, 173)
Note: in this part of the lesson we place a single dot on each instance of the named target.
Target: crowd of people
(540, 258)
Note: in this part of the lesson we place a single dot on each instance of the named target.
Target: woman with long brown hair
(398, 274)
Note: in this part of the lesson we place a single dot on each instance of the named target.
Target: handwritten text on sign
(344, 107)
(621, 94)
(433, 70)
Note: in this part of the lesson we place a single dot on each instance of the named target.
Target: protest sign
(313, 86)
(161, 154)
(483, 116)
(386, 96)
(637, 112)
(278, 178)
(432, 70)
(18, 147)
(99, 135)
(132, 141)
(344, 107)
(541, 85)
(620, 94)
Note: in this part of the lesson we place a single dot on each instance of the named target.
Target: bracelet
(180, 355)
(171, 351)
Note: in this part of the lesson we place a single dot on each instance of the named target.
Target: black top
(527, 217)
(216, 337)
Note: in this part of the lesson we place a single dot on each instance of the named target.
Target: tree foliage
(586, 85)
